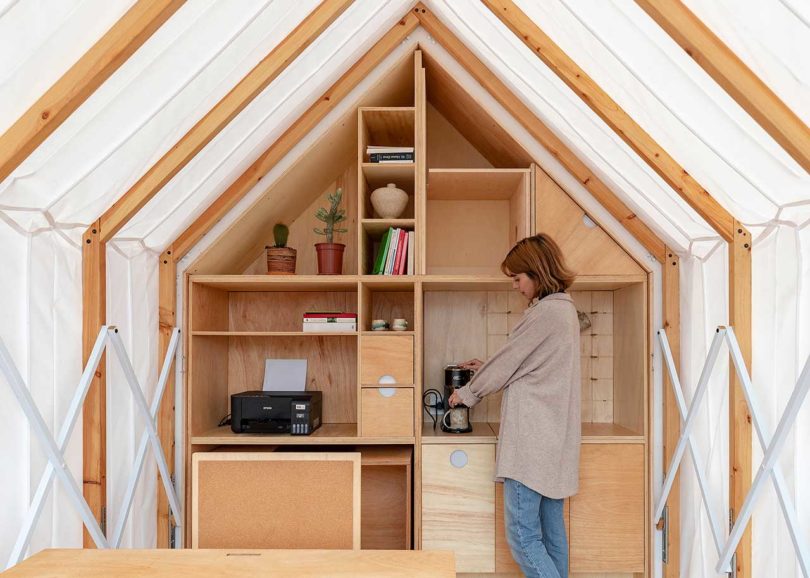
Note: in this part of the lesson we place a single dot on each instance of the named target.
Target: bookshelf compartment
(373, 232)
(474, 216)
(386, 126)
(377, 175)
(283, 311)
(386, 302)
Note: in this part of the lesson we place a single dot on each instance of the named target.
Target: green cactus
(331, 217)
(280, 233)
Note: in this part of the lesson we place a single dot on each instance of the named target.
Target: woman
(538, 371)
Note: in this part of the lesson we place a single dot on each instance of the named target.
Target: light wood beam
(740, 434)
(506, 98)
(218, 117)
(94, 463)
(81, 80)
(745, 87)
(610, 112)
(672, 418)
(166, 322)
(290, 138)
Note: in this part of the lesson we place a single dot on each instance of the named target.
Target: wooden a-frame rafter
(545, 136)
(732, 231)
(420, 15)
(81, 80)
(102, 230)
(730, 72)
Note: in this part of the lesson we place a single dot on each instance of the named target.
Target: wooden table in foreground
(241, 563)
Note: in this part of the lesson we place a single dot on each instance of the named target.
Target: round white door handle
(387, 391)
(459, 458)
(387, 380)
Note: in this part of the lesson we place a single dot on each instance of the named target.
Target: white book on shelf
(392, 250)
(329, 327)
(409, 268)
(383, 149)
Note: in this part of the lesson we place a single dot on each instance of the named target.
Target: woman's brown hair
(540, 258)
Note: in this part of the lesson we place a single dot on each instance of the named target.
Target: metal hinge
(733, 572)
(172, 526)
(665, 536)
(104, 520)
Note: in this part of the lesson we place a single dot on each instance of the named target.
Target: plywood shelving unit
(458, 305)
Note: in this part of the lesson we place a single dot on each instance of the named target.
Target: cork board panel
(283, 310)
(331, 368)
(268, 500)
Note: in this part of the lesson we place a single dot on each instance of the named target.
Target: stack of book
(389, 154)
(329, 321)
(395, 256)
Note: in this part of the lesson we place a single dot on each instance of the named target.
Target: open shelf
(327, 434)
(474, 216)
(388, 303)
(386, 126)
(376, 227)
(273, 333)
(482, 433)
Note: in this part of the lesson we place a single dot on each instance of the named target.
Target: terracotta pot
(280, 260)
(330, 258)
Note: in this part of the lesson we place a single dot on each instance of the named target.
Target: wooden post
(671, 270)
(94, 315)
(740, 434)
(167, 269)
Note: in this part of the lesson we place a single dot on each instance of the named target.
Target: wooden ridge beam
(609, 111)
(506, 98)
(288, 140)
(81, 80)
(218, 117)
(729, 71)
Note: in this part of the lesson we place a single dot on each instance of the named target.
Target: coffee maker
(455, 419)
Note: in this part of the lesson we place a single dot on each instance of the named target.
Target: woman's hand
(474, 364)
(455, 399)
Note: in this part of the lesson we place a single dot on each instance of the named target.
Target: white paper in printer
(285, 375)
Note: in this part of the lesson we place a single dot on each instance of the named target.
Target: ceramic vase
(389, 201)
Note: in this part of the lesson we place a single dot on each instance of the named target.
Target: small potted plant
(330, 255)
(280, 257)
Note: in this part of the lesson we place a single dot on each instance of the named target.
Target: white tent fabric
(208, 46)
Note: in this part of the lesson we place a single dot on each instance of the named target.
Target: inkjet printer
(293, 412)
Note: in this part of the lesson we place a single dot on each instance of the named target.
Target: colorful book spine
(382, 253)
(409, 268)
(402, 252)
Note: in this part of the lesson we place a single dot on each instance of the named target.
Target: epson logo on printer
(300, 406)
(267, 407)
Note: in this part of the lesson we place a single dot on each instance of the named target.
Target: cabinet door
(386, 355)
(458, 503)
(607, 515)
(386, 412)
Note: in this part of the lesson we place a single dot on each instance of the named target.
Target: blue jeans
(535, 530)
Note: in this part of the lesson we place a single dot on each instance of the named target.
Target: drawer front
(386, 355)
(386, 412)
(607, 515)
(458, 503)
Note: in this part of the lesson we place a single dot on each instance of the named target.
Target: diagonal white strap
(769, 465)
(52, 450)
(76, 404)
(140, 402)
(689, 422)
(129, 495)
(693, 450)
